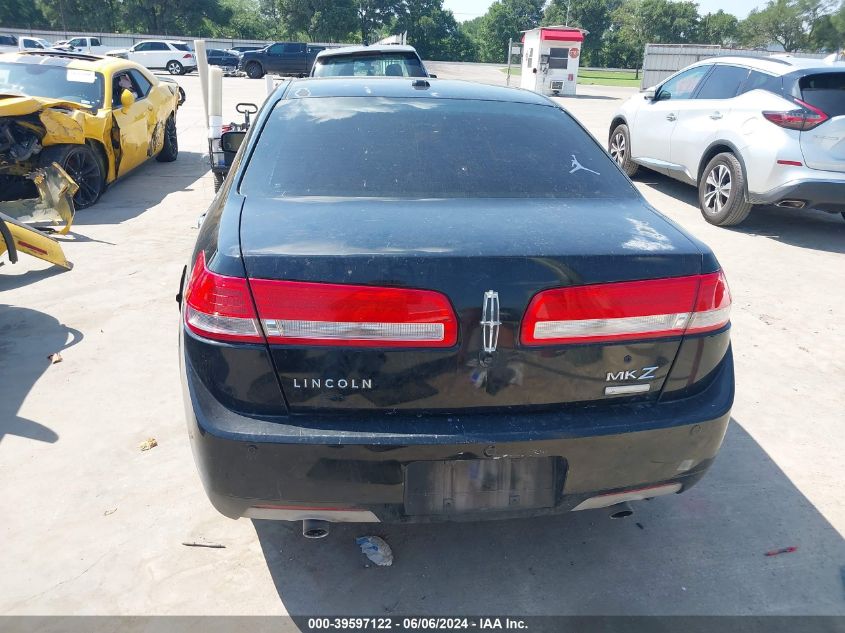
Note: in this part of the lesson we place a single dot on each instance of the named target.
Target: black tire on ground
(170, 151)
(181, 96)
(619, 146)
(84, 165)
(254, 70)
(722, 195)
(175, 68)
(218, 181)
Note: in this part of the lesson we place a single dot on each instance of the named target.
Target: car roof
(781, 64)
(165, 41)
(405, 87)
(79, 61)
(375, 48)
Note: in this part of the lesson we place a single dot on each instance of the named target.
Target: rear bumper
(304, 467)
(824, 195)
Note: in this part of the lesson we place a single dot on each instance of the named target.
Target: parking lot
(93, 525)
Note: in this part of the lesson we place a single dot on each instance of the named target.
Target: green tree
(432, 30)
(591, 15)
(319, 20)
(719, 28)
(636, 23)
(22, 14)
(373, 16)
(503, 21)
(781, 22)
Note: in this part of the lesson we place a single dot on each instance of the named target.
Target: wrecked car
(97, 118)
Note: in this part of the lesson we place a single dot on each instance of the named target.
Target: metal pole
(510, 46)
(568, 6)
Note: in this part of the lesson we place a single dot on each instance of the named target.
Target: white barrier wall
(662, 60)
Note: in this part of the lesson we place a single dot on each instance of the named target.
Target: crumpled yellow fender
(19, 238)
(54, 203)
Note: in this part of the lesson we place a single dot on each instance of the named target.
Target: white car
(745, 131)
(174, 56)
(11, 43)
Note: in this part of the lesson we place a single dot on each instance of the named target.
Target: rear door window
(723, 83)
(760, 81)
(427, 148)
(825, 91)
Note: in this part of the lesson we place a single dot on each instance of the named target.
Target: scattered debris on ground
(200, 544)
(784, 550)
(376, 549)
(109, 512)
(148, 444)
(55, 358)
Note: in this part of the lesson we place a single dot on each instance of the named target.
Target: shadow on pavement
(805, 228)
(9, 280)
(698, 553)
(27, 338)
(143, 188)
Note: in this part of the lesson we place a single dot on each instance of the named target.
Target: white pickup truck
(12, 43)
(91, 45)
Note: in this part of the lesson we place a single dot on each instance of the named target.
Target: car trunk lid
(464, 250)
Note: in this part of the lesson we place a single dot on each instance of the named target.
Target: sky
(469, 9)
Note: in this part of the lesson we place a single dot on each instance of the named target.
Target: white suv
(176, 57)
(745, 131)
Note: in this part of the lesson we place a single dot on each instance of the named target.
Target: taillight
(627, 310)
(305, 313)
(804, 118)
(219, 307)
(187, 56)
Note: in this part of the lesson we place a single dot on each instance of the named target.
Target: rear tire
(722, 194)
(254, 70)
(170, 150)
(82, 164)
(175, 68)
(219, 179)
(619, 146)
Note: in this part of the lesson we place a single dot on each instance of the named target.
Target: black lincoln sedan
(423, 300)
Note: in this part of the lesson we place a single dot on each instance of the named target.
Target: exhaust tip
(620, 511)
(791, 204)
(315, 528)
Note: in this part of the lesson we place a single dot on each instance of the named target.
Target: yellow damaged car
(97, 117)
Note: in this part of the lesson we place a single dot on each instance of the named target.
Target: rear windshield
(826, 91)
(56, 82)
(388, 64)
(427, 148)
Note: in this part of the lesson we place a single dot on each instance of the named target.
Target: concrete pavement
(92, 525)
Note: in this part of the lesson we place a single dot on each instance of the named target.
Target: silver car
(745, 131)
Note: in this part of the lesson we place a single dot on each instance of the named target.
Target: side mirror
(432, 76)
(127, 99)
(649, 93)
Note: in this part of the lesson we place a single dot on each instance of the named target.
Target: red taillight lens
(219, 307)
(304, 313)
(187, 56)
(804, 118)
(627, 310)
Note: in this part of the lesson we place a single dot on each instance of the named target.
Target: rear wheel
(619, 147)
(254, 70)
(170, 149)
(218, 181)
(83, 165)
(722, 191)
(175, 68)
